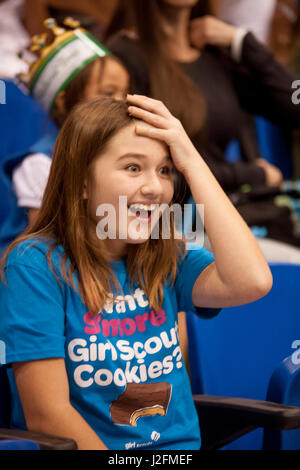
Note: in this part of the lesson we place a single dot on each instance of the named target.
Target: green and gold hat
(70, 51)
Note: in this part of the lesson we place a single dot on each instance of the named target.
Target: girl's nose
(152, 186)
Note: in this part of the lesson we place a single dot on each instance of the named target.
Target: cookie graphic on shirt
(140, 400)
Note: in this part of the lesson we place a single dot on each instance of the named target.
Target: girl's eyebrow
(167, 158)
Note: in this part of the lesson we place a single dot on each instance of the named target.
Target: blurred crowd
(255, 73)
(274, 22)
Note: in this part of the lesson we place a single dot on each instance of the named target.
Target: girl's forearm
(236, 250)
(237, 254)
(68, 423)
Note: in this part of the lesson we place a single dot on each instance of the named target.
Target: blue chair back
(235, 353)
(22, 120)
(284, 387)
(233, 151)
(5, 404)
(22, 123)
(275, 145)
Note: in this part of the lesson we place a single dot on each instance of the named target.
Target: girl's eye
(165, 170)
(132, 168)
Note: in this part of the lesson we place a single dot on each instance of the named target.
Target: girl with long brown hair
(90, 296)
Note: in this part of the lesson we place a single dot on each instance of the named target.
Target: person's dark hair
(201, 8)
(168, 82)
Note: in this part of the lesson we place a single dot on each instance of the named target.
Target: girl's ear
(60, 102)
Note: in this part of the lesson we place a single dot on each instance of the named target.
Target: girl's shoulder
(194, 251)
(33, 253)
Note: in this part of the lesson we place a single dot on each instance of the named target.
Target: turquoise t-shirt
(126, 374)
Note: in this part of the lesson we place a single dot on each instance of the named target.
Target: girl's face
(140, 170)
(112, 81)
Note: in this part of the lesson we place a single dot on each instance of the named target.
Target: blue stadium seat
(222, 420)
(275, 146)
(233, 151)
(284, 387)
(22, 120)
(20, 444)
(22, 123)
(235, 353)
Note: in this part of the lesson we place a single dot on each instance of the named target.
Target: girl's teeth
(142, 207)
(143, 211)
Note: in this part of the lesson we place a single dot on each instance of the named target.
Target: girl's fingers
(151, 132)
(149, 104)
(149, 117)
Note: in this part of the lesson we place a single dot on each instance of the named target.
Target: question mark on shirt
(178, 355)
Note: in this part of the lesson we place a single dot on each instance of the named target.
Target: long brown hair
(64, 221)
(168, 82)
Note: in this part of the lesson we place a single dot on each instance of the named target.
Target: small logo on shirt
(133, 445)
(155, 436)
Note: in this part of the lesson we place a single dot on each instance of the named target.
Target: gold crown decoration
(62, 52)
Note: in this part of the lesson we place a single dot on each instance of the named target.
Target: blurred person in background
(13, 38)
(256, 16)
(212, 76)
(277, 24)
(94, 15)
(21, 19)
(285, 31)
(284, 41)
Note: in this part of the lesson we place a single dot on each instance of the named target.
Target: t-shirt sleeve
(195, 261)
(31, 315)
(30, 179)
(265, 86)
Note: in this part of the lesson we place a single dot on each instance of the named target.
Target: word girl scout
(90, 325)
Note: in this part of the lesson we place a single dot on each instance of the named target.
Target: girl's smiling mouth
(143, 212)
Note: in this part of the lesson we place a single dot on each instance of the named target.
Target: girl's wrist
(195, 167)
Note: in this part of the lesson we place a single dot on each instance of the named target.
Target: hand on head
(163, 126)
